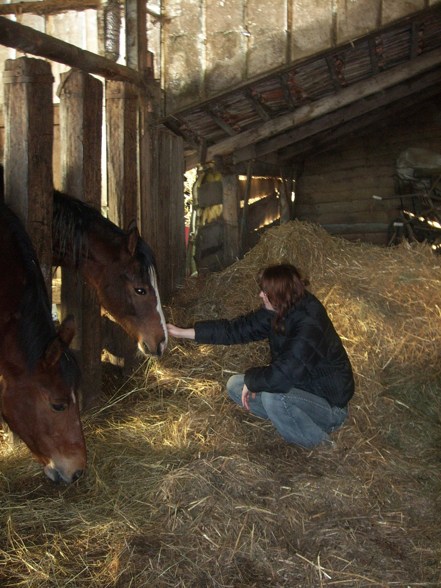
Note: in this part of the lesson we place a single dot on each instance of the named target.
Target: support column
(81, 97)
(29, 123)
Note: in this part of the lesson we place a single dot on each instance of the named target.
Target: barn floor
(185, 490)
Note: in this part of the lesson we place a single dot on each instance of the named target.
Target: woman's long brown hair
(284, 286)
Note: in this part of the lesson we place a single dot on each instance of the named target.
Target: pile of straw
(183, 489)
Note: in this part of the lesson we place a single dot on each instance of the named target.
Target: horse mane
(146, 258)
(72, 220)
(36, 328)
(35, 324)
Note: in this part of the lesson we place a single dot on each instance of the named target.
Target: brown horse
(38, 374)
(118, 265)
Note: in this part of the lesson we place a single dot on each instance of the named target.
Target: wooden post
(170, 251)
(122, 169)
(80, 140)
(149, 180)
(244, 218)
(285, 197)
(230, 215)
(29, 123)
(122, 192)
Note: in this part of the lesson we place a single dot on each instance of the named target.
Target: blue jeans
(300, 417)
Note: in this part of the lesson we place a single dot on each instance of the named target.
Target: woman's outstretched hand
(179, 332)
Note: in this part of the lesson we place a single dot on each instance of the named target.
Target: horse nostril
(160, 349)
(77, 475)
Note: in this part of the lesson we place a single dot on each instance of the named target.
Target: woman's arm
(180, 332)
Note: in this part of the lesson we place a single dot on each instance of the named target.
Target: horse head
(128, 289)
(41, 407)
(118, 265)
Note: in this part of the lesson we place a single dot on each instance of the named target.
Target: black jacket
(309, 355)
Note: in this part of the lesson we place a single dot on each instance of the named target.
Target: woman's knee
(234, 387)
(295, 426)
(270, 401)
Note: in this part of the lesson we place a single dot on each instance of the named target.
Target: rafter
(364, 89)
(340, 115)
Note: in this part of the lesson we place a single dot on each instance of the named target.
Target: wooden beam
(373, 55)
(330, 137)
(221, 123)
(416, 40)
(244, 220)
(230, 215)
(286, 91)
(258, 106)
(364, 89)
(330, 63)
(46, 7)
(28, 40)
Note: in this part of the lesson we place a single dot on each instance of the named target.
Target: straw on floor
(185, 490)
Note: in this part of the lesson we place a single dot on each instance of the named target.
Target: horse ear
(131, 225)
(64, 337)
(132, 239)
(53, 352)
(66, 331)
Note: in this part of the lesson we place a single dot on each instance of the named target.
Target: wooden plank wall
(336, 187)
(163, 209)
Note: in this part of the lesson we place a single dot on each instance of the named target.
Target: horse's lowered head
(40, 406)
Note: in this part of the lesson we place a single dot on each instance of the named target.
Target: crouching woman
(306, 388)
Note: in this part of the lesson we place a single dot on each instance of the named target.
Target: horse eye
(140, 291)
(59, 406)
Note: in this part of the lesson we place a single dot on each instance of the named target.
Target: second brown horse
(117, 264)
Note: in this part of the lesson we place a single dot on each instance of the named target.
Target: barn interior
(236, 134)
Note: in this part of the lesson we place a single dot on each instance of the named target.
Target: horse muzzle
(58, 475)
(146, 349)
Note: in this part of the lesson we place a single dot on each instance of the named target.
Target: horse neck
(11, 352)
(25, 323)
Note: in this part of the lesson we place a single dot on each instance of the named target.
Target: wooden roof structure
(277, 120)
